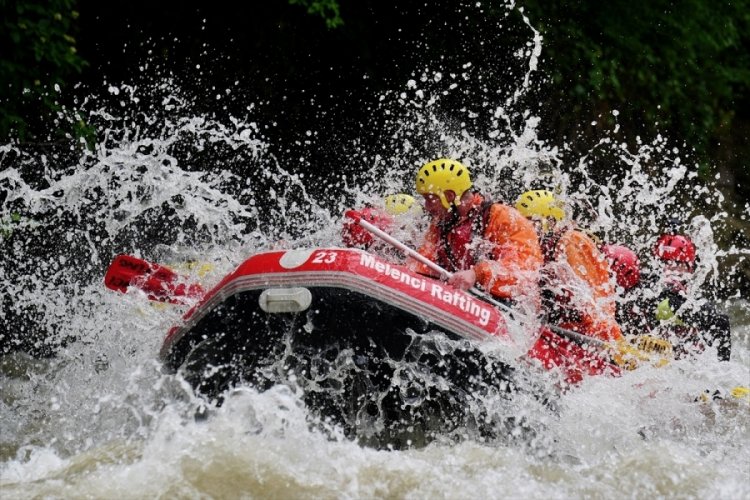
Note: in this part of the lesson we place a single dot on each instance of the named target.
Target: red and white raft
(333, 296)
(362, 338)
(311, 281)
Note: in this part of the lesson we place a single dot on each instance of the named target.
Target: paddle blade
(158, 282)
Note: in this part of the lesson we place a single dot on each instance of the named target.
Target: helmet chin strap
(454, 211)
(450, 220)
(450, 199)
(676, 279)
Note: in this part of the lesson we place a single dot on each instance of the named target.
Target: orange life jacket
(577, 275)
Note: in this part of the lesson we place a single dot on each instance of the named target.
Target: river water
(94, 416)
(77, 427)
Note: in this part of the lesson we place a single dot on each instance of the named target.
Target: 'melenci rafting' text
(446, 295)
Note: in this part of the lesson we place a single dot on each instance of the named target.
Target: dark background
(300, 74)
(679, 69)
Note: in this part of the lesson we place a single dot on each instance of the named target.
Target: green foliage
(677, 67)
(327, 9)
(38, 57)
(6, 224)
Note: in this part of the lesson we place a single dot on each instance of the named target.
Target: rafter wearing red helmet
(679, 313)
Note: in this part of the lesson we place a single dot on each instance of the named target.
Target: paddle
(624, 354)
(160, 283)
(445, 274)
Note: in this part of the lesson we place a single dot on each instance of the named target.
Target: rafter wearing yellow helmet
(439, 176)
(399, 204)
(541, 204)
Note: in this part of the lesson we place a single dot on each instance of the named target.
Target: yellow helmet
(443, 175)
(398, 204)
(539, 203)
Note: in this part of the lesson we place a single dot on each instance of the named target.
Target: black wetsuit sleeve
(714, 327)
(635, 316)
(716, 330)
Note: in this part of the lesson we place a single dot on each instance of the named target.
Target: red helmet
(625, 265)
(677, 248)
(354, 235)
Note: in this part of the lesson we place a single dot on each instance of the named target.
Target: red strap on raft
(158, 282)
(573, 360)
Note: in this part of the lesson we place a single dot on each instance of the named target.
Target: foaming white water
(100, 419)
(651, 439)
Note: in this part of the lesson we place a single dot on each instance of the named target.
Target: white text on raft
(455, 298)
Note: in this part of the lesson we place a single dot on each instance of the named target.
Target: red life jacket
(458, 249)
(548, 243)
(551, 303)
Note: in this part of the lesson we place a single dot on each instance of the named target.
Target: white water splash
(101, 420)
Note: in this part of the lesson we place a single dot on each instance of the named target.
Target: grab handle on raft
(474, 291)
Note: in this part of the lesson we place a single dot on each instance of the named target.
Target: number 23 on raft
(324, 257)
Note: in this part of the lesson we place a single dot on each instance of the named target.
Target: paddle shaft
(445, 274)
